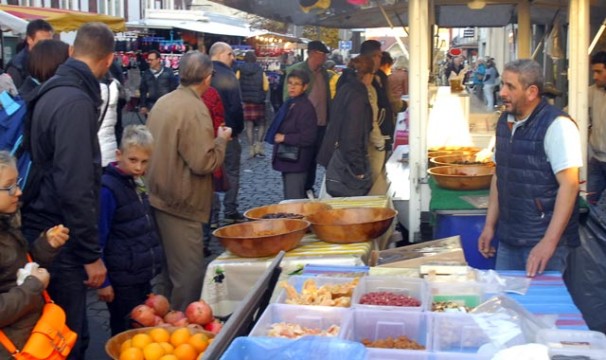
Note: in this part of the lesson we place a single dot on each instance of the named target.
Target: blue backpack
(12, 124)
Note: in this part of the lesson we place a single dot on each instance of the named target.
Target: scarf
(278, 120)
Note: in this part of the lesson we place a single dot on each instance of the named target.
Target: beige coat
(185, 155)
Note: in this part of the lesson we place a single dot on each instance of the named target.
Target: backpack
(15, 129)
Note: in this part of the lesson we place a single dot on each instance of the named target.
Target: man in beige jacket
(180, 176)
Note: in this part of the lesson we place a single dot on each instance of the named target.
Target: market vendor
(533, 195)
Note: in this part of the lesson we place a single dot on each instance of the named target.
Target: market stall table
(228, 278)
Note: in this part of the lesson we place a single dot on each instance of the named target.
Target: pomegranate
(173, 316)
(214, 326)
(159, 303)
(199, 313)
(158, 320)
(143, 315)
(181, 322)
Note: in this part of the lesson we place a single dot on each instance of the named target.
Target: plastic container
(298, 281)
(467, 294)
(591, 344)
(313, 317)
(456, 332)
(375, 324)
(312, 348)
(456, 356)
(396, 284)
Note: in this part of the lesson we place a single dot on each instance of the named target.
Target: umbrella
(12, 23)
(62, 19)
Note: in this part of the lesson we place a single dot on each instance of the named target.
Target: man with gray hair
(228, 86)
(66, 172)
(534, 192)
(180, 176)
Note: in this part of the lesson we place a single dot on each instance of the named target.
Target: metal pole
(398, 40)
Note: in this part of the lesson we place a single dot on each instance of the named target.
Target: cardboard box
(413, 256)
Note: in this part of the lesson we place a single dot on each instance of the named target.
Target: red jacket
(213, 102)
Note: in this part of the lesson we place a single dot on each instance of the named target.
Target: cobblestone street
(259, 185)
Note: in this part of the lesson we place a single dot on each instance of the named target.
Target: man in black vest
(533, 195)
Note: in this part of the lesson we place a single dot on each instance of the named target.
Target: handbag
(341, 181)
(287, 152)
(50, 339)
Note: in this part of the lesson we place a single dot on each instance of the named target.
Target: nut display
(388, 298)
(449, 306)
(400, 342)
(295, 331)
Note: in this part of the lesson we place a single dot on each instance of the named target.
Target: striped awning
(62, 19)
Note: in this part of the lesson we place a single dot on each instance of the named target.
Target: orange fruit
(153, 351)
(141, 340)
(125, 345)
(185, 352)
(132, 354)
(168, 348)
(199, 342)
(179, 336)
(169, 357)
(159, 334)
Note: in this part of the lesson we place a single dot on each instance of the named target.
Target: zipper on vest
(539, 205)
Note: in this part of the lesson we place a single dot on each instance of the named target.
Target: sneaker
(234, 218)
(214, 225)
(251, 152)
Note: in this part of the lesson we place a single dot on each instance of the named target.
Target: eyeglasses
(151, 59)
(212, 73)
(12, 190)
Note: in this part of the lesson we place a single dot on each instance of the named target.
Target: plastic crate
(375, 324)
(298, 281)
(395, 284)
(456, 332)
(314, 317)
(591, 344)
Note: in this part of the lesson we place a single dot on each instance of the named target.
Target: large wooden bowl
(462, 177)
(458, 160)
(303, 208)
(262, 238)
(112, 346)
(351, 225)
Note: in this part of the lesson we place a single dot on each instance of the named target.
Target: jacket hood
(250, 68)
(83, 78)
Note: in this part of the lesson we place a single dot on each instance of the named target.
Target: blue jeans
(596, 180)
(125, 299)
(515, 257)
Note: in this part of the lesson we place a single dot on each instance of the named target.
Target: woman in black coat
(296, 125)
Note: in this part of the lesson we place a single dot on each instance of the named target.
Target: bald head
(194, 68)
(222, 52)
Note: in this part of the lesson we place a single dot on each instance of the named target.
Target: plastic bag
(507, 323)
(494, 283)
(309, 347)
(585, 274)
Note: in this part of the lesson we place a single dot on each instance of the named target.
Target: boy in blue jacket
(127, 232)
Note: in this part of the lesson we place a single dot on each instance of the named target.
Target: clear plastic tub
(298, 281)
(456, 332)
(395, 284)
(466, 294)
(375, 324)
(591, 344)
(318, 317)
(455, 356)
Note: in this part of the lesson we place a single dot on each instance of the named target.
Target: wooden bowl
(351, 225)
(458, 160)
(451, 149)
(463, 177)
(262, 238)
(112, 346)
(303, 208)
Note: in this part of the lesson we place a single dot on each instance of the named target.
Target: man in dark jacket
(36, 30)
(156, 82)
(228, 86)
(65, 149)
